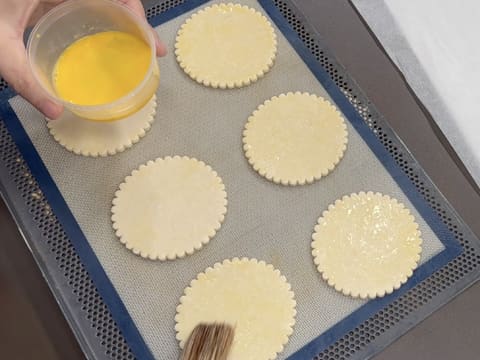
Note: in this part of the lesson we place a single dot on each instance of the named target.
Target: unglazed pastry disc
(169, 208)
(102, 138)
(251, 296)
(295, 138)
(366, 245)
(226, 46)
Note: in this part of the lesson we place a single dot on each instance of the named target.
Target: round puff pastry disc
(226, 46)
(169, 208)
(248, 294)
(294, 139)
(97, 138)
(366, 245)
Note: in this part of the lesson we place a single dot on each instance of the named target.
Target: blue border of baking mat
(100, 278)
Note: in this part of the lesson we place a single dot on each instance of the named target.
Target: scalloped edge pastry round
(96, 138)
(168, 208)
(376, 267)
(249, 294)
(280, 151)
(200, 64)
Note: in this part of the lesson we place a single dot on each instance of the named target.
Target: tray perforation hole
(3, 84)
(160, 8)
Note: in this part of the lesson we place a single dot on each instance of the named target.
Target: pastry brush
(209, 342)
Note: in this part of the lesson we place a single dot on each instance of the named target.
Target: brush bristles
(209, 342)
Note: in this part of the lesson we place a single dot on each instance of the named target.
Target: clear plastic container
(73, 20)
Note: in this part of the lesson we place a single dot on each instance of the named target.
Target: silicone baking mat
(265, 221)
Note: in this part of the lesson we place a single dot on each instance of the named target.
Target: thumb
(16, 71)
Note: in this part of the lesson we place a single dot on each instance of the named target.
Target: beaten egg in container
(101, 68)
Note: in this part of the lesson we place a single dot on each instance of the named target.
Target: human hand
(15, 17)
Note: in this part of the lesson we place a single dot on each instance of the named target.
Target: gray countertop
(33, 326)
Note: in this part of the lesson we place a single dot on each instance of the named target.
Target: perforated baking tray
(86, 295)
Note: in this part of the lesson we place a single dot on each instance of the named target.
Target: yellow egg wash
(101, 68)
